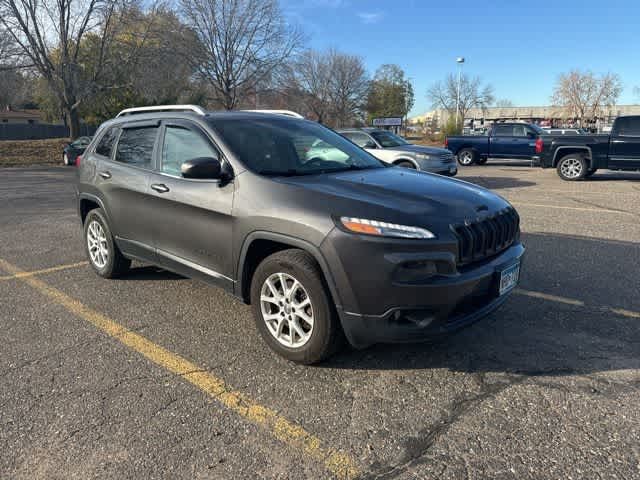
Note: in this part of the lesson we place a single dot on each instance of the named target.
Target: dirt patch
(31, 152)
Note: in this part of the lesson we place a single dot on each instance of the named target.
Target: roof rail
(162, 108)
(288, 113)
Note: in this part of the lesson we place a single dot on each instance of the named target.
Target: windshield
(388, 139)
(282, 146)
(538, 130)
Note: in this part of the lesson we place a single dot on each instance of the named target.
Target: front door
(624, 148)
(192, 218)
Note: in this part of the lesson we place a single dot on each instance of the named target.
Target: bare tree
(240, 43)
(310, 75)
(585, 95)
(473, 94)
(348, 87)
(504, 103)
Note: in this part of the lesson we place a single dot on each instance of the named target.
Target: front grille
(447, 157)
(487, 237)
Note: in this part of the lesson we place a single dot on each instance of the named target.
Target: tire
(406, 164)
(110, 263)
(482, 160)
(467, 156)
(324, 337)
(572, 167)
(65, 159)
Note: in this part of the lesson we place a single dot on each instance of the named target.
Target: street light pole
(459, 61)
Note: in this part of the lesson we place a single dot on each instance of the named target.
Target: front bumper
(383, 302)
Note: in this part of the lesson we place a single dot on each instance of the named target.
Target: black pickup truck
(504, 140)
(580, 156)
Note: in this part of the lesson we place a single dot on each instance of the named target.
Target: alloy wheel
(97, 244)
(287, 310)
(571, 168)
(466, 158)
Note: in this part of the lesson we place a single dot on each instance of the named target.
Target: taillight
(78, 158)
(539, 145)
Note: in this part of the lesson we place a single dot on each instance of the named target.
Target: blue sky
(519, 47)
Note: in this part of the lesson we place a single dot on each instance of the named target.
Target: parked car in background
(74, 149)
(580, 156)
(321, 248)
(504, 140)
(393, 149)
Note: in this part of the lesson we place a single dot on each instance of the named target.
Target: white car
(391, 148)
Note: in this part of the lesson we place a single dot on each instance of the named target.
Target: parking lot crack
(457, 409)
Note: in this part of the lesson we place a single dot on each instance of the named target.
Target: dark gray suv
(323, 248)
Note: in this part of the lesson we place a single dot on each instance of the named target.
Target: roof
(22, 114)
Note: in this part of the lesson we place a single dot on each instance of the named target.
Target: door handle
(160, 187)
(106, 174)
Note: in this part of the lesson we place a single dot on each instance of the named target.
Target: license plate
(509, 278)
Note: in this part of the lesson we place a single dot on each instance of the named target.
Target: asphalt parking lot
(155, 375)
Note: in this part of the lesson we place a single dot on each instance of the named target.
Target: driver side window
(360, 139)
(182, 144)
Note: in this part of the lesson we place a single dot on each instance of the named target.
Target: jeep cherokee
(321, 247)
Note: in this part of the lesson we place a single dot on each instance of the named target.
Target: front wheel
(406, 164)
(572, 167)
(292, 308)
(467, 156)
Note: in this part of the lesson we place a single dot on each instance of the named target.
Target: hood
(420, 149)
(400, 195)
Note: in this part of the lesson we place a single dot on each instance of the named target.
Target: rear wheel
(572, 167)
(406, 164)
(104, 255)
(467, 156)
(292, 308)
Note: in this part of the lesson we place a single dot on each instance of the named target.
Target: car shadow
(496, 183)
(149, 272)
(595, 331)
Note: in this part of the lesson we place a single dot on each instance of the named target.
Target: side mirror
(369, 144)
(202, 167)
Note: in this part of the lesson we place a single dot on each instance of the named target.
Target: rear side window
(135, 146)
(628, 127)
(503, 131)
(105, 146)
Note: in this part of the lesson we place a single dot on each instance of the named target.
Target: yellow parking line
(43, 271)
(339, 464)
(573, 301)
(581, 209)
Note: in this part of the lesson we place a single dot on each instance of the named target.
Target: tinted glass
(388, 139)
(182, 144)
(519, 131)
(359, 139)
(628, 127)
(105, 146)
(503, 131)
(282, 146)
(135, 146)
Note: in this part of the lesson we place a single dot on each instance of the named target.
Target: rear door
(123, 179)
(501, 141)
(191, 217)
(624, 147)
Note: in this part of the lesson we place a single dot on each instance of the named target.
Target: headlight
(384, 229)
(423, 156)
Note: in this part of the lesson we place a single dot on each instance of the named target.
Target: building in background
(477, 119)
(20, 116)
